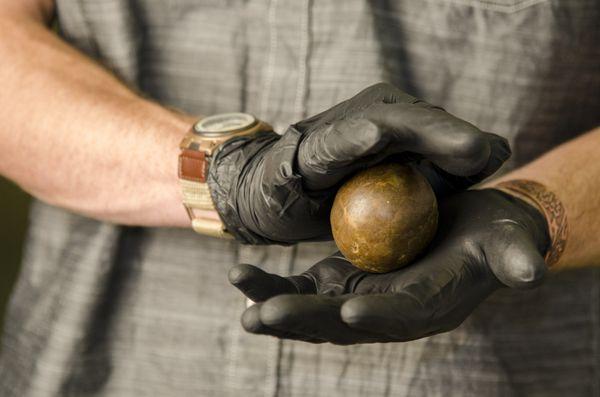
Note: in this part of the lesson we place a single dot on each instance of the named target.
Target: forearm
(572, 173)
(73, 135)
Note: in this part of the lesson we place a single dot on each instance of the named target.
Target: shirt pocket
(503, 6)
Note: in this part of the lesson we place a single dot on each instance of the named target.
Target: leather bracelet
(550, 206)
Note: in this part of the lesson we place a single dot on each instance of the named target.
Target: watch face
(223, 124)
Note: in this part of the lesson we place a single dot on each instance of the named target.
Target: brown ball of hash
(383, 217)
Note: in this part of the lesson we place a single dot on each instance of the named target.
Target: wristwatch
(197, 147)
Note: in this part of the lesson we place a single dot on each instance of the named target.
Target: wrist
(173, 214)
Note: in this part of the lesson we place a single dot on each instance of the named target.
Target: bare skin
(74, 136)
(572, 172)
(103, 151)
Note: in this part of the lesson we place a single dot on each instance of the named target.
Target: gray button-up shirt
(111, 311)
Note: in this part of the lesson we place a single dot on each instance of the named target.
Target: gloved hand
(487, 240)
(272, 189)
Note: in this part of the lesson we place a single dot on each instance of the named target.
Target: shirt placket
(286, 69)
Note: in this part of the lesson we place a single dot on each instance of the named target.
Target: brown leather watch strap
(192, 165)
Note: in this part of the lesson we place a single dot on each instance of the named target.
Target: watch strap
(192, 170)
(192, 166)
(196, 195)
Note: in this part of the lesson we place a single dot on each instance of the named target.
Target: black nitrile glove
(486, 240)
(273, 189)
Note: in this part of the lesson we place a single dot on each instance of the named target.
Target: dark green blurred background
(13, 223)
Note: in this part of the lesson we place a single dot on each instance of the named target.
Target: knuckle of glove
(356, 138)
(379, 90)
(473, 149)
(464, 155)
(386, 93)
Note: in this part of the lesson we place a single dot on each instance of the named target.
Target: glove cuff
(229, 163)
(258, 193)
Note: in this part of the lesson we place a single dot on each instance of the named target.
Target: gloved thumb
(515, 258)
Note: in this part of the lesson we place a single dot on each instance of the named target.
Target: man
(122, 310)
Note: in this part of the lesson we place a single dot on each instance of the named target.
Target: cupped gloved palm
(279, 189)
(487, 240)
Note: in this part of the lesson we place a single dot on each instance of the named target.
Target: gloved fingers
(500, 152)
(434, 294)
(400, 316)
(454, 145)
(384, 93)
(345, 146)
(348, 145)
(444, 183)
(382, 120)
(333, 276)
(514, 257)
(251, 323)
(376, 93)
(375, 283)
(314, 317)
(259, 285)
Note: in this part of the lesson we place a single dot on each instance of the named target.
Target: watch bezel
(204, 128)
